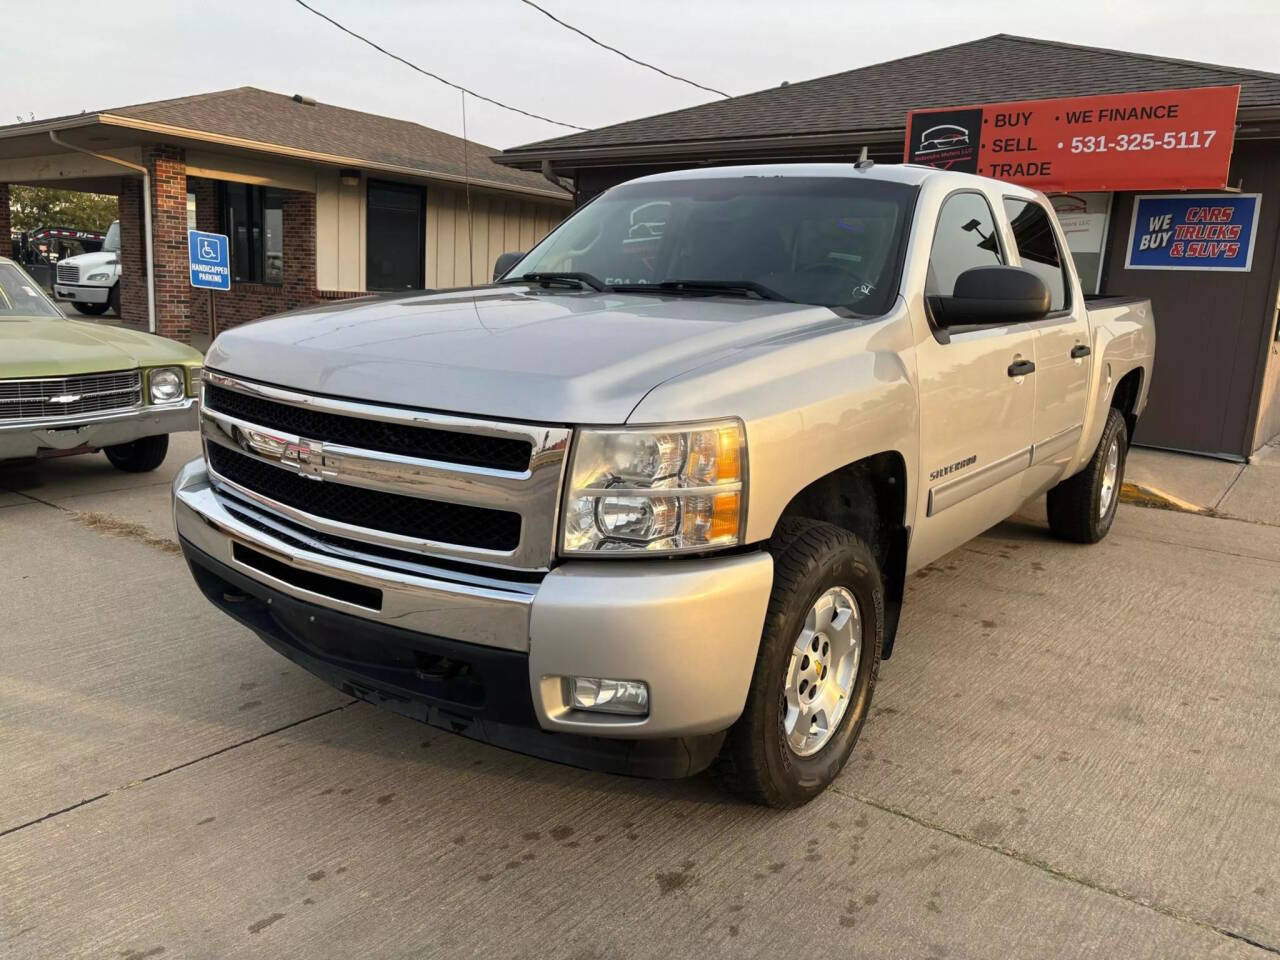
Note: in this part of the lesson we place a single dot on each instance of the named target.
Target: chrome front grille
(446, 486)
(64, 398)
(68, 273)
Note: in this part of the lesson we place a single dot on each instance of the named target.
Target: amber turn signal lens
(729, 455)
(724, 515)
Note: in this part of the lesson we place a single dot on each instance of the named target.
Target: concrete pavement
(1196, 484)
(1072, 753)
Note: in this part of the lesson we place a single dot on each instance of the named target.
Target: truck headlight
(98, 276)
(656, 490)
(167, 384)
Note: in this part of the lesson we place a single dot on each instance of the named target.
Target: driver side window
(965, 237)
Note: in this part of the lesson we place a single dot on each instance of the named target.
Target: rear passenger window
(965, 237)
(1038, 248)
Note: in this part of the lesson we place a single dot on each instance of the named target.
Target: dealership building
(1215, 385)
(318, 202)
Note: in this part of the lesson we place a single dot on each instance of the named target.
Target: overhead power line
(625, 56)
(435, 76)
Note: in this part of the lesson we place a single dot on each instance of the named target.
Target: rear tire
(761, 759)
(90, 309)
(139, 456)
(1082, 508)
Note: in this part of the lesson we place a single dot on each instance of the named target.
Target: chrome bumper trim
(461, 611)
(27, 438)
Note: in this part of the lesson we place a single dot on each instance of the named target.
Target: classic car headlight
(656, 490)
(98, 276)
(167, 384)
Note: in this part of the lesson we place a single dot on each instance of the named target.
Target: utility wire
(436, 76)
(626, 56)
(466, 174)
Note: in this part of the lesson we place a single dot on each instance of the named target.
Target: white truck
(648, 502)
(91, 281)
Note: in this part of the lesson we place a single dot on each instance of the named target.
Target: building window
(253, 219)
(1038, 248)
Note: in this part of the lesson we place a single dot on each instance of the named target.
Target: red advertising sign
(1159, 140)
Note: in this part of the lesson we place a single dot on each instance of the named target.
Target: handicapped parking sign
(208, 256)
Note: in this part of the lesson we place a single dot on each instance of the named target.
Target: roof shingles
(878, 97)
(276, 120)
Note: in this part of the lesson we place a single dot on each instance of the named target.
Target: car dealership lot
(1072, 753)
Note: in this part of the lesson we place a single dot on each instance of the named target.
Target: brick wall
(250, 301)
(180, 309)
(133, 262)
(168, 173)
(6, 221)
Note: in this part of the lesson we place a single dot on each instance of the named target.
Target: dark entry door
(396, 233)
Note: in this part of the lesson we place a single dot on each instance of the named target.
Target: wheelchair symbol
(208, 249)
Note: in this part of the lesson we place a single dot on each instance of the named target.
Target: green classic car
(70, 386)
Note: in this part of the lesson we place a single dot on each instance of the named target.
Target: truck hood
(506, 352)
(53, 347)
(86, 261)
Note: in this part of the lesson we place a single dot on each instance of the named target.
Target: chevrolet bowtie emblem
(64, 398)
(307, 456)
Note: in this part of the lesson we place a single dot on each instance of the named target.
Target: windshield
(112, 242)
(833, 241)
(20, 296)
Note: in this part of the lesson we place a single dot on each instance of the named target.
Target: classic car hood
(512, 352)
(53, 347)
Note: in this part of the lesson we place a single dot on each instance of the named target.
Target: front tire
(90, 309)
(139, 456)
(815, 670)
(1082, 508)
(113, 299)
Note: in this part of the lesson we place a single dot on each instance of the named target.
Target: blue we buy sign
(1193, 231)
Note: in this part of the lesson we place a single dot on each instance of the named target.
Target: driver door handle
(1080, 350)
(1020, 368)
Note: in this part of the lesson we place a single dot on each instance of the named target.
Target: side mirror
(504, 263)
(993, 295)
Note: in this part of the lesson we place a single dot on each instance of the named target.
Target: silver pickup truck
(648, 502)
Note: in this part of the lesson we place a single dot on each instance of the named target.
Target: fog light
(630, 697)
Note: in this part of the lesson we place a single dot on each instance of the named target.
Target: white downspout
(146, 218)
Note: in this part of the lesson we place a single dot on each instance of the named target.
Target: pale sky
(80, 55)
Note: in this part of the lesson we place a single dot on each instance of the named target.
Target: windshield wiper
(550, 278)
(742, 288)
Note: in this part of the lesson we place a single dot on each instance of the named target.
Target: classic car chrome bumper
(22, 439)
(690, 629)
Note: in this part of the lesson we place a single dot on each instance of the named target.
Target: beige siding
(499, 224)
(340, 233)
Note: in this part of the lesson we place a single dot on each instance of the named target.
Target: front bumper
(485, 659)
(82, 294)
(34, 438)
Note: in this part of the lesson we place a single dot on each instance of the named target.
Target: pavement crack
(176, 767)
(1045, 867)
(1201, 548)
(1234, 481)
(56, 813)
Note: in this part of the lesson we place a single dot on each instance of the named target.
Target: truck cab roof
(913, 174)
